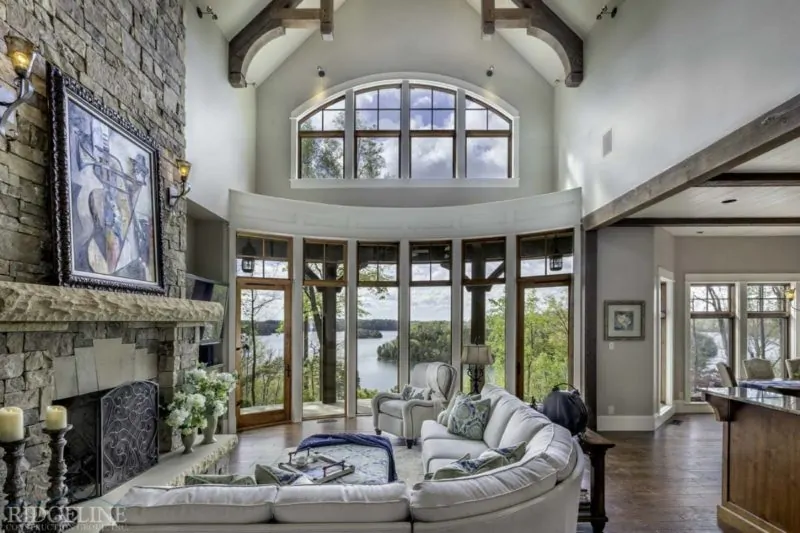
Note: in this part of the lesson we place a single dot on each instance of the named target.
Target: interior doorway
(263, 353)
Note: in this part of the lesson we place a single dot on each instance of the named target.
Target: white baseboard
(666, 413)
(693, 408)
(625, 423)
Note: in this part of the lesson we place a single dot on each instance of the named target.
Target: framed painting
(106, 194)
(624, 320)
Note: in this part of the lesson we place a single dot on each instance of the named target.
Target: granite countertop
(766, 399)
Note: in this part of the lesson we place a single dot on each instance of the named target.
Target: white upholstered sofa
(404, 418)
(538, 494)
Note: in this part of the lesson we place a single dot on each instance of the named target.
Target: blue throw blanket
(376, 441)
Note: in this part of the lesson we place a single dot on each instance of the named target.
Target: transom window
(405, 130)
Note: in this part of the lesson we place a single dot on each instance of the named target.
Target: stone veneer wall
(130, 53)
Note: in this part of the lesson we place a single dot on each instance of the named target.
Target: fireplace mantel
(32, 307)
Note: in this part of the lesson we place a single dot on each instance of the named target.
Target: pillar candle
(11, 427)
(55, 417)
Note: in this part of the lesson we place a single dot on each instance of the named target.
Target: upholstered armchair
(758, 369)
(404, 418)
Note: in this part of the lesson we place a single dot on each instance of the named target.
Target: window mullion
(405, 129)
(349, 134)
(461, 134)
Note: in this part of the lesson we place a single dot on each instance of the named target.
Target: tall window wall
(768, 320)
(430, 303)
(324, 303)
(484, 304)
(712, 309)
(378, 353)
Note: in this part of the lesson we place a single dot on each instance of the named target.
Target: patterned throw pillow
(443, 418)
(512, 454)
(416, 393)
(468, 418)
(273, 475)
(470, 467)
(219, 479)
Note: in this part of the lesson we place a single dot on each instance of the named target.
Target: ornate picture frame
(623, 320)
(106, 196)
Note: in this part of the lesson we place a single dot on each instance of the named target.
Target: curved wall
(268, 214)
(373, 37)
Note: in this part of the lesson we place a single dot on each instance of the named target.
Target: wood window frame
(262, 237)
(378, 283)
(465, 281)
(785, 317)
(489, 133)
(729, 316)
(429, 283)
(320, 134)
(326, 282)
(433, 133)
(377, 133)
(543, 235)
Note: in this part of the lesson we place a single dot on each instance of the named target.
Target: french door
(263, 353)
(544, 335)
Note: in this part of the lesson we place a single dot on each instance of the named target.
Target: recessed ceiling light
(729, 201)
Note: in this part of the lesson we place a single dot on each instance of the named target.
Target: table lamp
(476, 356)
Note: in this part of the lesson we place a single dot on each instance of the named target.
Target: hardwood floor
(662, 482)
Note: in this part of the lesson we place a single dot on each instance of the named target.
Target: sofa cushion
(503, 407)
(511, 454)
(393, 408)
(522, 426)
(468, 417)
(555, 445)
(449, 499)
(342, 503)
(198, 504)
(451, 449)
(434, 430)
(467, 466)
(219, 479)
(275, 475)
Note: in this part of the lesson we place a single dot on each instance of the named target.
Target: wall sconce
(23, 55)
(173, 195)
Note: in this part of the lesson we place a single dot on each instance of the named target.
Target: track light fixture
(208, 11)
(607, 12)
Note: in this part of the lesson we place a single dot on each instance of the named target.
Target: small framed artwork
(624, 320)
(106, 194)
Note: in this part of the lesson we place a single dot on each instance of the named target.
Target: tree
(427, 341)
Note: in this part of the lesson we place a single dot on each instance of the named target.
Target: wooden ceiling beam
(270, 24)
(710, 221)
(542, 23)
(754, 179)
(762, 134)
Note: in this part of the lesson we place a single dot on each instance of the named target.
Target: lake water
(373, 374)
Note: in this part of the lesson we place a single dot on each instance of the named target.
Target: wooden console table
(592, 508)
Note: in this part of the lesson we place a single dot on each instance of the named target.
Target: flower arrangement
(187, 412)
(215, 387)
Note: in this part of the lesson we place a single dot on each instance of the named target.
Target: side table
(592, 507)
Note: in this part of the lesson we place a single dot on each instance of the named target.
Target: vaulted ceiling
(579, 15)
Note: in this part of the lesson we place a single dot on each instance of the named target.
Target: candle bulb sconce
(174, 195)
(23, 55)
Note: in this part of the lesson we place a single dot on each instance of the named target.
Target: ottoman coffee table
(371, 463)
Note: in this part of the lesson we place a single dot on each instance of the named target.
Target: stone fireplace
(113, 359)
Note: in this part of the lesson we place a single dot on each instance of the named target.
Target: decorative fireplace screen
(115, 438)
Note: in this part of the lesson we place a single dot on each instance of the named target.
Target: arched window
(405, 130)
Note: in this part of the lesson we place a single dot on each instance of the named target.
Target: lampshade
(22, 53)
(184, 167)
(476, 354)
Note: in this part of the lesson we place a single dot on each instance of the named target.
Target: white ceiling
(732, 231)
(580, 15)
(704, 202)
(785, 158)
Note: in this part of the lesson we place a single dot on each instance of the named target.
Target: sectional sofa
(538, 494)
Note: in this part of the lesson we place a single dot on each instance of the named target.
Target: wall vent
(607, 143)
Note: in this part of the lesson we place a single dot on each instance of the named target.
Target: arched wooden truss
(533, 15)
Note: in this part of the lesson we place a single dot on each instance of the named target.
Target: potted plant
(216, 388)
(187, 413)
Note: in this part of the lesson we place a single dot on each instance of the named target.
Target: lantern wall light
(23, 55)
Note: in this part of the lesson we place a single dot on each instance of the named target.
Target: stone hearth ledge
(32, 307)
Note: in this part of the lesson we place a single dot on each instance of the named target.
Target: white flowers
(202, 394)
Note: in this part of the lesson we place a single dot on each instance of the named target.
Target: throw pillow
(468, 418)
(469, 467)
(219, 479)
(512, 454)
(416, 393)
(274, 475)
(443, 418)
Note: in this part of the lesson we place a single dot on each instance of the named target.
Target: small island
(369, 334)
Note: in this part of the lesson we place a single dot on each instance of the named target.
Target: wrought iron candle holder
(56, 518)
(14, 514)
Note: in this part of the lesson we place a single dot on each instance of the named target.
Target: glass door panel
(544, 341)
(263, 354)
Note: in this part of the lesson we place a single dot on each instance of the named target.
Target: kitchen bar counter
(760, 460)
